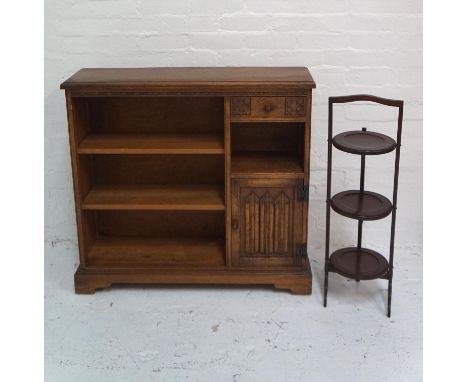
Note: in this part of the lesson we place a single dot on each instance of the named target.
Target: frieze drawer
(268, 107)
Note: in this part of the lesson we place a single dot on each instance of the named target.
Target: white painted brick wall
(350, 46)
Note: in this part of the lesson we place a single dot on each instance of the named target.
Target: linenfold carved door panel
(266, 222)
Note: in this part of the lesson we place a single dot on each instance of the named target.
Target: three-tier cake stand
(360, 263)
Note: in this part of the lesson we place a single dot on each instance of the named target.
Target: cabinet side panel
(307, 133)
(307, 138)
(227, 175)
(82, 173)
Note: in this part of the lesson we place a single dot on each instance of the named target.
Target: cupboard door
(266, 222)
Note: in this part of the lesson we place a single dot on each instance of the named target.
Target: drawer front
(268, 106)
(265, 107)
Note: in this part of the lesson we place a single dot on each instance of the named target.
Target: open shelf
(137, 238)
(361, 205)
(147, 252)
(248, 163)
(364, 142)
(154, 169)
(267, 148)
(155, 197)
(372, 265)
(126, 143)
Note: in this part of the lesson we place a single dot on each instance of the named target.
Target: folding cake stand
(356, 262)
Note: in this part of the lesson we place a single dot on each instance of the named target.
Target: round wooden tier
(364, 142)
(372, 264)
(365, 205)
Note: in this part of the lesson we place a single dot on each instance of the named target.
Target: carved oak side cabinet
(191, 175)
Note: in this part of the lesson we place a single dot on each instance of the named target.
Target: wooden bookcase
(191, 175)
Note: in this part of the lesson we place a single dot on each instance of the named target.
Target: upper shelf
(364, 142)
(156, 197)
(152, 144)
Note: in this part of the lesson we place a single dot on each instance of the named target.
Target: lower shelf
(143, 252)
(372, 264)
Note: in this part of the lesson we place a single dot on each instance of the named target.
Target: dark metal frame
(382, 101)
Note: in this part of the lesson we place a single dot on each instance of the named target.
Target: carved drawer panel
(240, 106)
(266, 221)
(295, 106)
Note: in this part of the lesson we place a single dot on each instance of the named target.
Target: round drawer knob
(267, 108)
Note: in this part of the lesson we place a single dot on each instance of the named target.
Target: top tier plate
(364, 142)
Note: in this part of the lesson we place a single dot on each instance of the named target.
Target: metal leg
(325, 287)
(395, 193)
(359, 245)
(389, 307)
(329, 179)
(361, 189)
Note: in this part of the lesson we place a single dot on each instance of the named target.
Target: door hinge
(303, 193)
(301, 250)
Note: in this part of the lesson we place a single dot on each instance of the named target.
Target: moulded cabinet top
(216, 77)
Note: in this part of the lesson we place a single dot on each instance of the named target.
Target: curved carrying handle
(366, 97)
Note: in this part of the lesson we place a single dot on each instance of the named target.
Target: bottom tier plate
(345, 262)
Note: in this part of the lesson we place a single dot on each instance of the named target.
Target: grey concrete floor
(233, 334)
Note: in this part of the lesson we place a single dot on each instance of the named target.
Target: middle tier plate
(361, 205)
